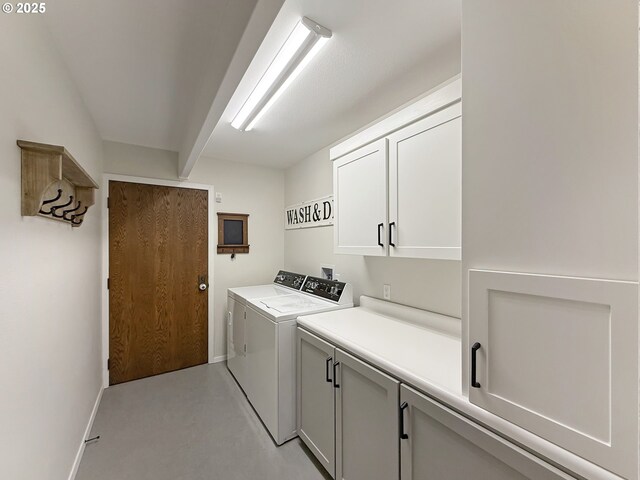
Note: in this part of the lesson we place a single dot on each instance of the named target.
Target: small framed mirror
(233, 233)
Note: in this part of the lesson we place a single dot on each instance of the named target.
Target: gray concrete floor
(194, 424)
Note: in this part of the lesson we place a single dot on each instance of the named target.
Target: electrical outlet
(386, 292)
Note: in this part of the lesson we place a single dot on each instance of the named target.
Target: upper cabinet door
(360, 200)
(558, 356)
(425, 187)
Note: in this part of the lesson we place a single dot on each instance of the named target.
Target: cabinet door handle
(403, 435)
(380, 225)
(326, 370)
(474, 350)
(392, 224)
(335, 377)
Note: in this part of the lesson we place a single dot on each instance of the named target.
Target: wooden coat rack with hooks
(54, 185)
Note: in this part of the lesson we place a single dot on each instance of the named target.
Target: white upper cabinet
(397, 184)
(360, 201)
(425, 187)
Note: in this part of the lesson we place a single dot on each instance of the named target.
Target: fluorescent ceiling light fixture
(304, 42)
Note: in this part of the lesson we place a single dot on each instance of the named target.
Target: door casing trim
(106, 178)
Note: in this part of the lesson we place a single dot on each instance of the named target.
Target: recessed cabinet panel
(316, 406)
(558, 357)
(366, 422)
(443, 445)
(425, 187)
(236, 360)
(360, 190)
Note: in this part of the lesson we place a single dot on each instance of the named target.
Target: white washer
(285, 283)
(270, 336)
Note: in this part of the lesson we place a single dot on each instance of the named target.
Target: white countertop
(428, 359)
(403, 349)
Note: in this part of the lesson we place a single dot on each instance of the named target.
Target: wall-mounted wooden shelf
(233, 233)
(54, 185)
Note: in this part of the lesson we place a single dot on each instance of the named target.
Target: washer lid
(292, 303)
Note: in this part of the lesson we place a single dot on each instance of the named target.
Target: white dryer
(285, 283)
(270, 336)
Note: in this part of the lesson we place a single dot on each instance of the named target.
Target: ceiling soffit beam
(198, 134)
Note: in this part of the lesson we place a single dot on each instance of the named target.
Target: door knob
(202, 283)
(202, 287)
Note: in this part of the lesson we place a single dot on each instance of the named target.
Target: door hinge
(108, 364)
(108, 283)
(108, 203)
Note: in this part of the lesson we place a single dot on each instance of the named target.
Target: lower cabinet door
(316, 406)
(366, 421)
(440, 444)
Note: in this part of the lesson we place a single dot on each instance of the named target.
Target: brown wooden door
(158, 252)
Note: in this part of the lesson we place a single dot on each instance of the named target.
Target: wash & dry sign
(315, 213)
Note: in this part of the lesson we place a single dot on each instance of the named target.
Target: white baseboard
(87, 432)
(219, 358)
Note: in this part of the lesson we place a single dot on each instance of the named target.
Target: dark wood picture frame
(233, 248)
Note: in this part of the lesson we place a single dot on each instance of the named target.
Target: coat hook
(57, 197)
(73, 217)
(65, 212)
(57, 207)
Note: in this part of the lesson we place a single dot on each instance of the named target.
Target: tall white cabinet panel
(425, 187)
(558, 356)
(236, 360)
(441, 444)
(360, 201)
(366, 421)
(316, 406)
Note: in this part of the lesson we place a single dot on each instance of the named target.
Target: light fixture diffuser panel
(302, 44)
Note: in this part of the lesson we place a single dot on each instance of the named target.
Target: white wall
(550, 138)
(49, 286)
(258, 191)
(430, 284)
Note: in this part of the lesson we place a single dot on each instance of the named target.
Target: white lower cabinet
(443, 445)
(347, 412)
(366, 421)
(362, 424)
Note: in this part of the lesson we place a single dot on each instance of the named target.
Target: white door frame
(105, 258)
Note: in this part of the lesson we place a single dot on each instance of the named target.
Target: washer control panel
(329, 289)
(290, 279)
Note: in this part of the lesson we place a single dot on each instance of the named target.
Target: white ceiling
(382, 54)
(140, 65)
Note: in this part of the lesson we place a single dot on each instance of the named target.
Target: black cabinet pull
(335, 377)
(474, 350)
(380, 225)
(392, 224)
(403, 435)
(327, 377)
